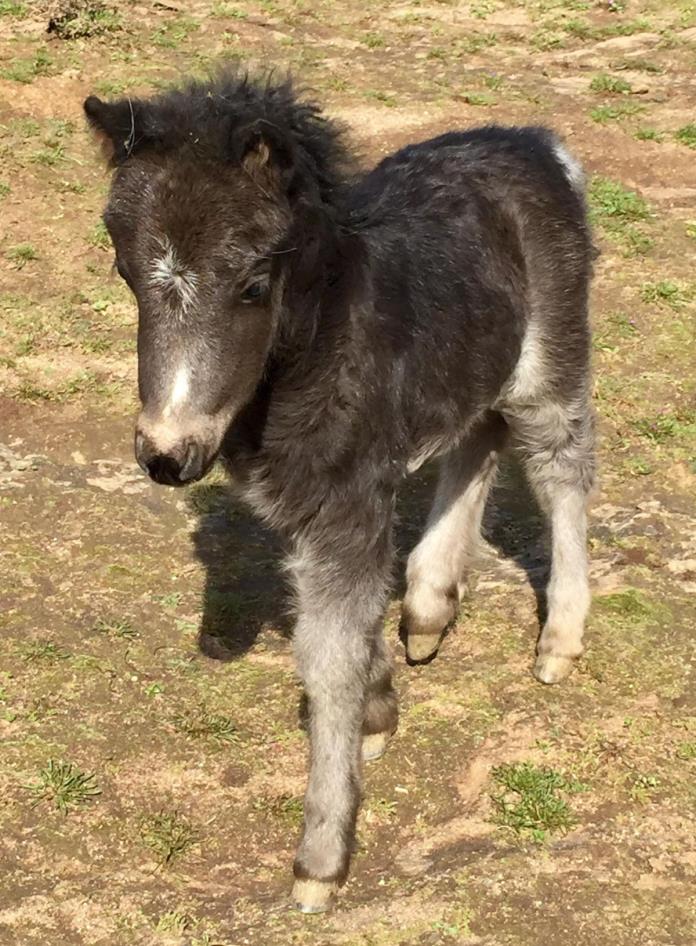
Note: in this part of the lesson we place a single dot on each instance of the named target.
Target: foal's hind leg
(436, 566)
(557, 442)
(381, 707)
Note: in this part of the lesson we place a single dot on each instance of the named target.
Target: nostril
(142, 453)
(164, 469)
(192, 465)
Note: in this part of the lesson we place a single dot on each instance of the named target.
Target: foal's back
(473, 234)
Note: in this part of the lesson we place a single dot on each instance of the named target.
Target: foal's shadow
(246, 595)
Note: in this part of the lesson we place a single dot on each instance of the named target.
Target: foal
(324, 332)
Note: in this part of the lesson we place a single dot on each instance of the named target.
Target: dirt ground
(152, 764)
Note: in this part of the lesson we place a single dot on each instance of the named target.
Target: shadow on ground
(246, 593)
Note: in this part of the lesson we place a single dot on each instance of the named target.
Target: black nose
(176, 467)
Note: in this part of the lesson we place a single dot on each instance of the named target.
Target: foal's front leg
(341, 606)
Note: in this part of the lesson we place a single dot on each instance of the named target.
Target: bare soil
(144, 633)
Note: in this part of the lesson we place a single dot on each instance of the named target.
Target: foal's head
(221, 194)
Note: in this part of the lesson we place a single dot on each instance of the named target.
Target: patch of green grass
(686, 751)
(48, 651)
(21, 254)
(638, 65)
(476, 42)
(4, 189)
(493, 82)
(110, 87)
(26, 70)
(665, 427)
(544, 40)
(637, 466)
(169, 835)
(529, 799)
(87, 18)
(175, 921)
(383, 97)
(581, 29)
(116, 628)
(374, 40)
(78, 384)
(618, 210)
(691, 230)
(629, 606)
(200, 722)
(288, 808)
(99, 236)
(228, 10)
(12, 8)
(175, 33)
(648, 134)
(50, 155)
(643, 787)
(24, 127)
(611, 201)
(687, 135)
(172, 600)
(208, 496)
(610, 84)
(617, 325)
(478, 98)
(64, 786)
(603, 114)
(666, 292)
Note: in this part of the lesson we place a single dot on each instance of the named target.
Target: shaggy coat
(325, 332)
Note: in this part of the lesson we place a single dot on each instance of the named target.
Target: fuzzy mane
(213, 120)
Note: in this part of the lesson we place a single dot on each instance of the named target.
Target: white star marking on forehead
(168, 273)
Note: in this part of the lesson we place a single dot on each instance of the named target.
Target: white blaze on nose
(180, 390)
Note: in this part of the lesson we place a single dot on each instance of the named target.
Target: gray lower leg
(568, 591)
(436, 567)
(336, 637)
(560, 465)
(381, 708)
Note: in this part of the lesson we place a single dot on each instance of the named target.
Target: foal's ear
(262, 150)
(118, 126)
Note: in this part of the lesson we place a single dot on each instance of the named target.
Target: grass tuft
(618, 210)
(528, 799)
(121, 629)
(78, 19)
(201, 722)
(611, 201)
(26, 70)
(667, 292)
(64, 786)
(610, 84)
(43, 650)
(687, 135)
(648, 134)
(168, 835)
(21, 254)
(603, 114)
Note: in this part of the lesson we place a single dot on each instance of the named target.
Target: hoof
(313, 896)
(550, 669)
(374, 746)
(421, 646)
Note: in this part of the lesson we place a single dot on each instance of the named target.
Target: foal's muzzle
(182, 463)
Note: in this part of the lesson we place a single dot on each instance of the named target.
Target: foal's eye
(256, 291)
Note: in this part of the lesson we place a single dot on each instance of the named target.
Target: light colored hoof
(550, 669)
(374, 746)
(313, 896)
(422, 646)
